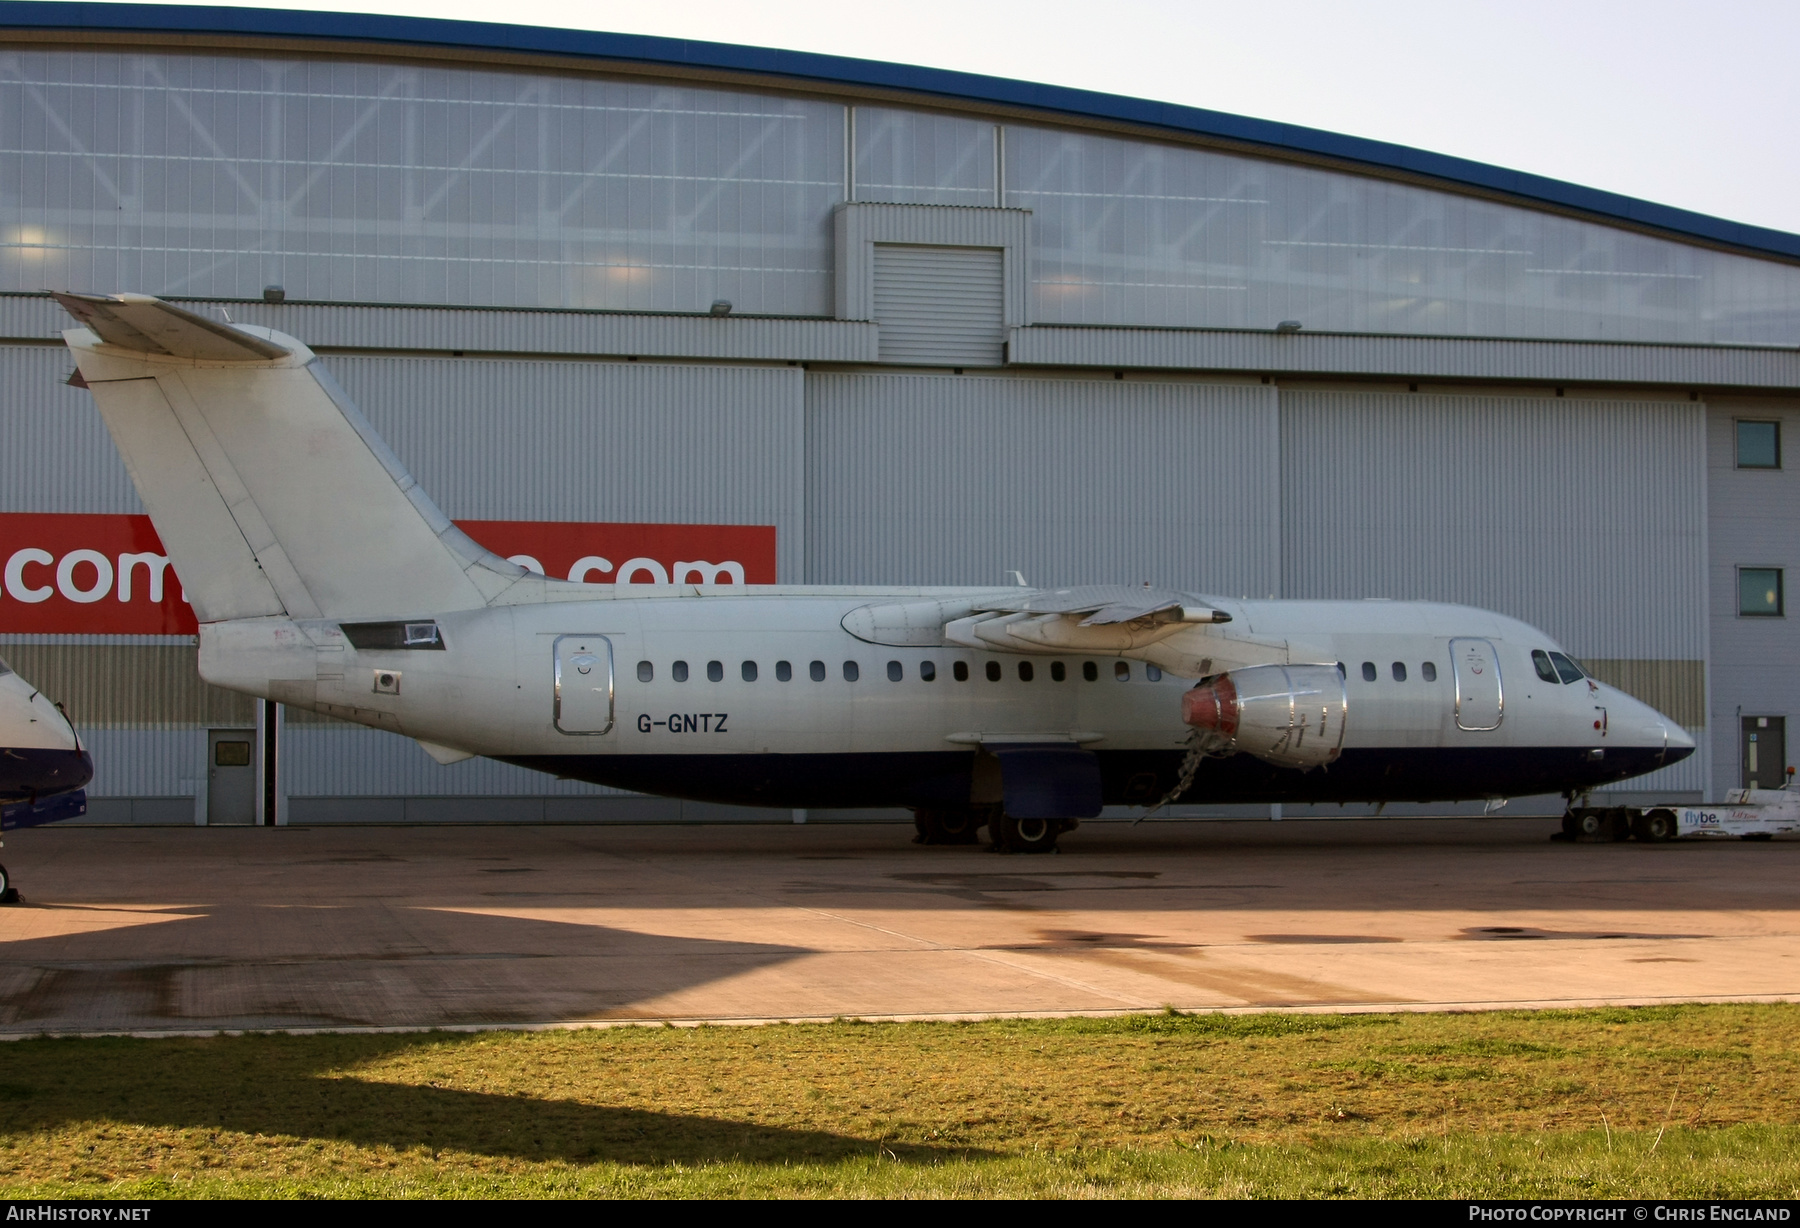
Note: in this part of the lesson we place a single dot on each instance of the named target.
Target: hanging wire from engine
(1184, 780)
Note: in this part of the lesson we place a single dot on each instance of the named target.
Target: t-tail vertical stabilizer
(271, 492)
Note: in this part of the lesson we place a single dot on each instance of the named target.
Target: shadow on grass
(296, 1087)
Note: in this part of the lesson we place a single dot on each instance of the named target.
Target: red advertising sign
(108, 575)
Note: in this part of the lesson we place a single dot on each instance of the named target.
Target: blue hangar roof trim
(852, 74)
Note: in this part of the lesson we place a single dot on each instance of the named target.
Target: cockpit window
(1567, 669)
(5, 669)
(1540, 661)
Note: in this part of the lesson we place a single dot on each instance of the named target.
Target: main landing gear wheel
(1657, 826)
(1011, 835)
(948, 825)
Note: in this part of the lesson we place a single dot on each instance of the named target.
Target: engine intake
(1289, 715)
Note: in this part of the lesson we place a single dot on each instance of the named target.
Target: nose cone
(1634, 724)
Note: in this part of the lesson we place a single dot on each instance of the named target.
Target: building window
(678, 671)
(851, 673)
(816, 671)
(896, 671)
(1759, 445)
(646, 671)
(960, 671)
(784, 672)
(1759, 592)
(748, 671)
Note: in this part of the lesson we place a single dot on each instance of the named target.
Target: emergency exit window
(1758, 445)
(1759, 592)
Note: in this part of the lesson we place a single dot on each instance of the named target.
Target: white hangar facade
(912, 326)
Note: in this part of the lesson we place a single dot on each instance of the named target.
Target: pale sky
(1676, 101)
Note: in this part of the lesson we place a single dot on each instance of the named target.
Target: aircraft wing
(1106, 604)
(151, 326)
(1109, 619)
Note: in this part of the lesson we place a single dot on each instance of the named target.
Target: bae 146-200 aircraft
(323, 577)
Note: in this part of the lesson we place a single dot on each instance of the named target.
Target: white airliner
(42, 764)
(323, 577)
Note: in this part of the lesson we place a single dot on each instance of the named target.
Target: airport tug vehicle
(1745, 814)
(323, 577)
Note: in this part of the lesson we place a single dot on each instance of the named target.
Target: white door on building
(230, 777)
(584, 684)
(1480, 702)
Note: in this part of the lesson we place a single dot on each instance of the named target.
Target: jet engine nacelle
(1289, 715)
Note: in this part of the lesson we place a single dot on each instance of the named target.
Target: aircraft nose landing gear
(9, 894)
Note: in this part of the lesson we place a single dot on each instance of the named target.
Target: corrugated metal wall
(945, 479)
(1585, 518)
(516, 439)
(1753, 514)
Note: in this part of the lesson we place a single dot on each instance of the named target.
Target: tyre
(947, 825)
(1657, 826)
(1011, 835)
(1591, 824)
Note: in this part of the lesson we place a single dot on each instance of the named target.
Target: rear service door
(584, 684)
(1479, 702)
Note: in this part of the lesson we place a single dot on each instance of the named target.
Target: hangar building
(912, 326)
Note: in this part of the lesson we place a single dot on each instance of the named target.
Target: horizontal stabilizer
(151, 326)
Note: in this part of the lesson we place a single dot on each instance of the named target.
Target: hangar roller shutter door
(939, 306)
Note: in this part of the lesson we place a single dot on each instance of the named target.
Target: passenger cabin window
(715, 671)
(1759, 592)
(1090, 671)
(678, 671)
(1566, 669)
(928, 671)
(1428, 672)
(784, 672)
(1025, 671)
(960, 671)
(646, 671)
(1759, 445)
(1121, 671)
(851, 673)
(1399, 671)
(1368, 671)
(1058, 672)
(816, 671)
(896, 671)
(1152, 673)
(747, 671)
(993, 671)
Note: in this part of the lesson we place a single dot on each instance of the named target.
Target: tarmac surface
(190, 930)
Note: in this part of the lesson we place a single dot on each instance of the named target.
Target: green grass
(1666, 1102)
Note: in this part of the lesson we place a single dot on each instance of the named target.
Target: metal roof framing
(353, 33)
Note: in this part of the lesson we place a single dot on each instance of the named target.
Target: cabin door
(1479, 701)
(584, 684)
